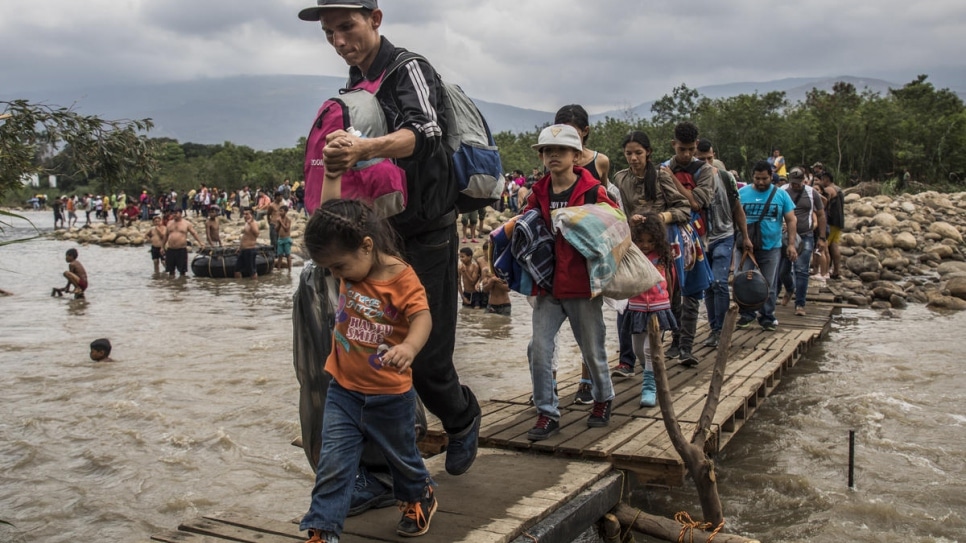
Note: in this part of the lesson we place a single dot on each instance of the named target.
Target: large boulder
(880, 239)
(885, 220)
(957, 287)
(863, 210)
(863, 262)
(852, 239)
(938, 301)
(905, 241)
(946, 230)
(947, 268)
(940, 250)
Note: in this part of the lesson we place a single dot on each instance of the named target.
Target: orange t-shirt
(371, 313)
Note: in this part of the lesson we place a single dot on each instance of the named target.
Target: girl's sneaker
(416, 515)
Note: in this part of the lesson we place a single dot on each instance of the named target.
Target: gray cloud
(534, 53)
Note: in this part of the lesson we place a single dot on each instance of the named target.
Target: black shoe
(461, 450)
(713, 339)
(672, 352)
(584, 394)
(599, 415)
(368, 493)
(416, 515)
(544, 428)
(769, 326)
(745, 322)
(688, 360)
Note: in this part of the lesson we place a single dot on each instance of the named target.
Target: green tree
(675, 107)
(930, 130)
(112, 151)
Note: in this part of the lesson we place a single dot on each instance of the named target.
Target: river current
(196, 412)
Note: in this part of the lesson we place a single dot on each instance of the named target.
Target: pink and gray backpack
(477, 169)
(379, 182)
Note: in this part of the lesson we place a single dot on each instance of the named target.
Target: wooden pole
(667, 529)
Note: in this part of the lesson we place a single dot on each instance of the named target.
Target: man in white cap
(411, 96)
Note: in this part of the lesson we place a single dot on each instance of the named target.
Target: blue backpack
(477, 168)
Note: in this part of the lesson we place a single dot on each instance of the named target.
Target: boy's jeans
(351, 419)
(717, 298)
(587, 322)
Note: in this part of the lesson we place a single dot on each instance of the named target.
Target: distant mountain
(270, 112)
(263, 112)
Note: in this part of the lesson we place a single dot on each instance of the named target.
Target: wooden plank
(232, 533)
(565, 524)
(258, 524)
(614, 440)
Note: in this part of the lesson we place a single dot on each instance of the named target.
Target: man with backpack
(694, 179)
(412, 100)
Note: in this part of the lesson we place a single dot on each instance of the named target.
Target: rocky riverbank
(99, 233)
(895, 250)
(904, 249)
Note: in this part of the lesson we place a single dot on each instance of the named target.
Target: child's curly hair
(654, 227)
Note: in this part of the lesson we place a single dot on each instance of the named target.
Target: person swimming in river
(101, 350)
(76, 277)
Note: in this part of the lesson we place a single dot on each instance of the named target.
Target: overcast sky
(539, 54)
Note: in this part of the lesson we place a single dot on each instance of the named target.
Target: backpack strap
(764, 209)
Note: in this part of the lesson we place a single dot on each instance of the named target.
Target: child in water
(101, 350)
(76, 276)
(382, 322)
(650, 235)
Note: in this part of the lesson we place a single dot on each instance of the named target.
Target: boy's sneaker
(599, 415)
(544, 428)
(688, 360)
(416, 515)
(745, 322)
(584, 394)
(673, 351)
(770, 326)
(368, 493)
(800, 311)
(713, 339)
(622, 371)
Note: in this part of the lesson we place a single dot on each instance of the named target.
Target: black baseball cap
(314, 13)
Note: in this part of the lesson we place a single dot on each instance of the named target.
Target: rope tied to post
(688, 525)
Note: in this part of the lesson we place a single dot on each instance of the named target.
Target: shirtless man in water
(156, 235)
(249, 241)
(175, 244)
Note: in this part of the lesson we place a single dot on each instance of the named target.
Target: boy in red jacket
(566, 185)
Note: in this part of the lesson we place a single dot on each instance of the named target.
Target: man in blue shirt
(765, 206)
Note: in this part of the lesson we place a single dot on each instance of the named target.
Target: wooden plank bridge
(550, 491)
